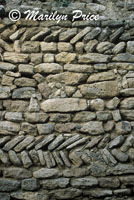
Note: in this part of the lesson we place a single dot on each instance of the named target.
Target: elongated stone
(34, 156)
(93, 142)
(16, 57)
(64, 105)
(11, 144)
(55, 183)
(81, 141)
(8, 185)
(17, 173)
(45, 173)
(108, 157)
(14, 158)
(45, 142)
(93, 128)
(4, 66)
(26, 159)
(69, 141)
(65, 159)
(4, 140)
(4, 157)
(84, 182)
(79, 68)
(48, 68)
(23, 93)
(41, 157)
(93, 58)
(47, 159)
(80, 35)
(22, 145)
(116, 142)
(57, 158)
(58, 140)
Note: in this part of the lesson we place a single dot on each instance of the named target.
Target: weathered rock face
(67, 101)
(64, 105)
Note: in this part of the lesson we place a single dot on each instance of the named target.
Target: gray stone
(35, 117)
(64, 105)
(26, 159)
(5, 46)
(7, 127)
(116, 115)
(54, 144)
(48, 47)
(44, 129)
(97, 104)
(109, 182)
(98, 192)
(93, 142)
(4, 157)
(75, 157)
(102, 76)
(80, 35)
(16, 57)
(17, 173)
(57, 158)
(76, 172)
(55, 183)
(79, 68)
(119, 48)
(4, 66)
(4, 92)
(45, 173)
(127, 103)
(108, 157)
(119, 155)
(41, 35)
(65, 159)
(106, 89)
(30, 184)
(69, 141)
(127, 114)
(64, 46)
(58, 117)
(41, 157)
(128, 92)
(14, 158)
(84, 116)
(68, 78)
(15, 105)
(116, 34)
(95, 8)
(8, 185)
(4, 140)
(34, 156)
(127, 180)
(4, 196)
(68, 193)
(123, 127)
(14, 116)
(8, 146)
(90, 46)
(130, 47)
(112, 23)
(25, 82)
(131, 154)
(26, 69)
(121, 192)
(92, 34)
(77, 143)
(104, 46)
(29, 128)
(67, 35)
(45, 142)
(48, 161)
(65, 57)
(17, 34)
(93, 58)
(92, 128)
(113, 103)
(128, 143)
(30, 47)
(103, 115)
(47, 68)
(121, 169)
(84, 182)
(34, 106)
(48, 58)
(118, 141)
(22, 145)
(23, 93)
(122, 57)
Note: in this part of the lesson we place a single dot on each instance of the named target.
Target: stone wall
(67, 108)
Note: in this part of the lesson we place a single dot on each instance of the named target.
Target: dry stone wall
(67, 110)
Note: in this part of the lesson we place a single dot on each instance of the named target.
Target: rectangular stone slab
(64, 105)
